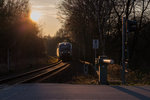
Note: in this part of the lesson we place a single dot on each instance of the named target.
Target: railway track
(38, 75)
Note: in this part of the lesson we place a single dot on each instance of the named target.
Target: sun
(35, 16)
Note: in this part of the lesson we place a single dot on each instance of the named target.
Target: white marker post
(95, 46)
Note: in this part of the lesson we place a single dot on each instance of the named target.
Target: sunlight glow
(35, 16)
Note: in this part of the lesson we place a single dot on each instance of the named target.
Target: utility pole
(127, 27)
(123, 48)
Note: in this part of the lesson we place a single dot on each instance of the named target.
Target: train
(64, 51)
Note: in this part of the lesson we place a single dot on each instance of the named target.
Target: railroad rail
(37, 75)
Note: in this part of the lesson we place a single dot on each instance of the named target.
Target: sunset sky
(47, 10)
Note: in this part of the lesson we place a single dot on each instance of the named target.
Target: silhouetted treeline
(19, 36)
(85, 20)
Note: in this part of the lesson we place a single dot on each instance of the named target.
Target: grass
(85, 79)
(28, 65)
(133, 77)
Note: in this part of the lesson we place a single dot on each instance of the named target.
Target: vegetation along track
(35, 75)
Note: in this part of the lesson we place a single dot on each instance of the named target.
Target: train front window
(65, 47)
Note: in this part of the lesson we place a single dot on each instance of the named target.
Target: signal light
(131, 26)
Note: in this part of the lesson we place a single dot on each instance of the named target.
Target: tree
(102, 19)
(83, 19)
(18, 33)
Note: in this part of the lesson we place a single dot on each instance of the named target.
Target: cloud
(48, 9)
(38, 6)
(44, 2)
(52, 6)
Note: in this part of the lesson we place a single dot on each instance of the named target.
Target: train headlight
(69, 52)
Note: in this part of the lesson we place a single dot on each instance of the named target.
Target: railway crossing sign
(95, 44)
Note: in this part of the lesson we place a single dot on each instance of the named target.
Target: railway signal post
(127, 27)
(123, 48)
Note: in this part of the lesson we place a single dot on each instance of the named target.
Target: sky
(48, 15)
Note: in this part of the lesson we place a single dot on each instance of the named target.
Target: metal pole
(99, 74)
(127, 45)
(95, 58)
(123, 48)
(8, 61)
(99, 29)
